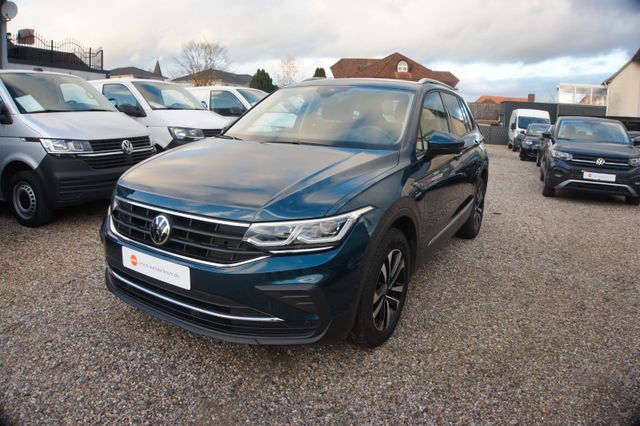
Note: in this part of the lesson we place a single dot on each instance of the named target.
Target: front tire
(538, 159)
(385, 279)
(634, 201)
(27, 200)
(523, 157)
(471, 227)
(547, 189)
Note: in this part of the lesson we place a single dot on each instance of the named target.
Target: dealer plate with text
(599, 176)
(162, 270)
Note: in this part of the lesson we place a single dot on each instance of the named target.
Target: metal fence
(495, 135)
(33, 49)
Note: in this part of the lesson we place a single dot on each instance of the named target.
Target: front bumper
(71, 180)
(530, 151)
(279, 300)
(563, 175)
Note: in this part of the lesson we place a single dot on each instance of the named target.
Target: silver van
(61, 143)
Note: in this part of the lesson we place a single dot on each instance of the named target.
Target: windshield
(252, 96)
(523, 122)
(161, 95)
(536, 129)
(40, 93)
(346, 116)
(592, 131)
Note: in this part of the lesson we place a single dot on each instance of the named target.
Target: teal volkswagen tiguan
(304, 221)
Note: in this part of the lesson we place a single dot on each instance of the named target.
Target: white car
(61, 143)
(520, 120)
(172, 115)
(228, 101)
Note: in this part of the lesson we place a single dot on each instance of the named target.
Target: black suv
(591, 154)
(531, 142)
(305, 219)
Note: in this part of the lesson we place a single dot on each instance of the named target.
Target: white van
(174, 117)
(520, 120)
(61, 143)
(228, 101)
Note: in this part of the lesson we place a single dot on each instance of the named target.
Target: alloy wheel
(478, 206)
(389, 288)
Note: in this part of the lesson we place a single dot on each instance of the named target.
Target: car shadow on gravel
(591, 197)
(66, 215)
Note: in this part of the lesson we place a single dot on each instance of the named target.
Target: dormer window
(402, 66)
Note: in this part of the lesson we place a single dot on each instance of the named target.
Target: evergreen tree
(262, 81)
(320, 73)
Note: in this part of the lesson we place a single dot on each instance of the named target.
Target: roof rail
(314, 78)
(432, 81)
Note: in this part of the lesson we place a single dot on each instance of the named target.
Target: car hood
(84, 125)
(251, 181)
(197, 119)
(598, 149)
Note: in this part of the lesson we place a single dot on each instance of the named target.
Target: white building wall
(624, 92)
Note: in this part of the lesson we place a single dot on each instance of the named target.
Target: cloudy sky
(495, 47)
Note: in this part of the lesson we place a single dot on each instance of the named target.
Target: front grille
(212, 322)
(197, 239)
(106, 145)
(71, 188)
(117, 160)
(590, 161)
(208, 133)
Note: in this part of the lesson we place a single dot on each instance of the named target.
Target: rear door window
(456, 114)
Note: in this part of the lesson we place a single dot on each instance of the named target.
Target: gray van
(61, 143)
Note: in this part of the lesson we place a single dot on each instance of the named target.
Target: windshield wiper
(229, 137)
(292, 142)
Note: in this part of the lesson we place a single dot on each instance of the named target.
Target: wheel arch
(8, 171)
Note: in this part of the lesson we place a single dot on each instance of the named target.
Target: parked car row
(65, 141)
(585, 154)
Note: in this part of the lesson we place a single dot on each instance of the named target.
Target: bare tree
(200, 59)
(288, 70)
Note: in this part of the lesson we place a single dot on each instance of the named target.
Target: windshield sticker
(29, 103)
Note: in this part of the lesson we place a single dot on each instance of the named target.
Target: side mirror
(513, 126)
(113, 102)
(236, 112)
(204, 104)
(132, 110)
(546, 135)
(636, 141)
(5, 116)
(441, 143)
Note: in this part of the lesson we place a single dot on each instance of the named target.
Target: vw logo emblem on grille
(160, 229)
(127, 146)
(600, 162)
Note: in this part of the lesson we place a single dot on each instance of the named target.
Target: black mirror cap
(636, 141)
(546, 135)
(5, 116)
(513, 126)
(441, 143)
(132, 110)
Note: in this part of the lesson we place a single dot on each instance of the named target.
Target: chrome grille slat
(201, 240)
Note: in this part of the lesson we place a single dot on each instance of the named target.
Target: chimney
(531, 97)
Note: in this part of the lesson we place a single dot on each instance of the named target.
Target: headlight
(560, 155)
(528, 142)
(186, 133)
(325, 231)
(66, 146)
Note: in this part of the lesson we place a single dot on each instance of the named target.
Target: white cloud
(481, 41)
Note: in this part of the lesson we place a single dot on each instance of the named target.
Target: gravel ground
(535, 321)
